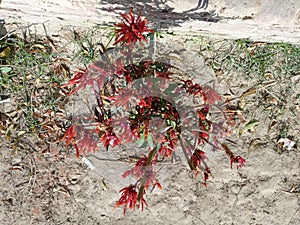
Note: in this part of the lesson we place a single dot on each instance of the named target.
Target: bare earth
(264, 192)
(273, 20)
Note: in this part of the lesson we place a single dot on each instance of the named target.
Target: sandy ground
(258, 20)
(262, 193)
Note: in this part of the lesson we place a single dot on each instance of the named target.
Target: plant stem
(185, 153)
(151, 154)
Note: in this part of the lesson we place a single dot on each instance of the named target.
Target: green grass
(32, 72)
(87, 44)
(256, 59)
(30, 75)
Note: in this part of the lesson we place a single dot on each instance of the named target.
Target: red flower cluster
(196, 159)
(84, 140)
(110, 82)
(131, 30)
(129, 198)
(204, 125)
(234, 159)
(192, 88)
(143, 171)
(109, 139)
(238, 159)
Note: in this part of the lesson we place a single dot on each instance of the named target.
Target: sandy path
(257, 20)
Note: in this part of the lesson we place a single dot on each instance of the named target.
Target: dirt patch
(259, 21)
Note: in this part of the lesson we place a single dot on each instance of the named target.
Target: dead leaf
(3, 117)
(269, 75)
(4, 98)
(255, 144)
(104, 185)
(62, 190)
(16, 167)
(5, 53)
(62, 68)
(20, 133)
(295, 78)
(219, 72)
(247, 18)
(4, 121)
(38, 48)
(2, 129)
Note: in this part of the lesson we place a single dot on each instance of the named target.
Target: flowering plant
(142, 100)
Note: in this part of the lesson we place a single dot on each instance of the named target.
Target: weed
(33, 80)
(256, 59)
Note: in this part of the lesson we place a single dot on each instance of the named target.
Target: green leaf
(5, 69)
(5, 53)
(173, 124)
(150, 142)
(250, 126)
(171, 88)
(141, 143)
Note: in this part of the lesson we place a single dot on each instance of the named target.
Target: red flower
(129, 198)
(138, 170)
(211, 95)
(239, 160)
(109, 139)
(151, 180)
(81, 78)
(131, 30)
(196, 159)
(202, 113)
(87, 142)
(70, 135)
(94, 75)
(140, 167)
(77, 78)
(83, 139)
(141, 170)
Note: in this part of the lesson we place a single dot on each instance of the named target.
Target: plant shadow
(160, 13)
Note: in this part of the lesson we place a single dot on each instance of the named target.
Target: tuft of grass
(86, 44)
(251, 59)
(259, 60)
(30, 76)
(32, 70)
